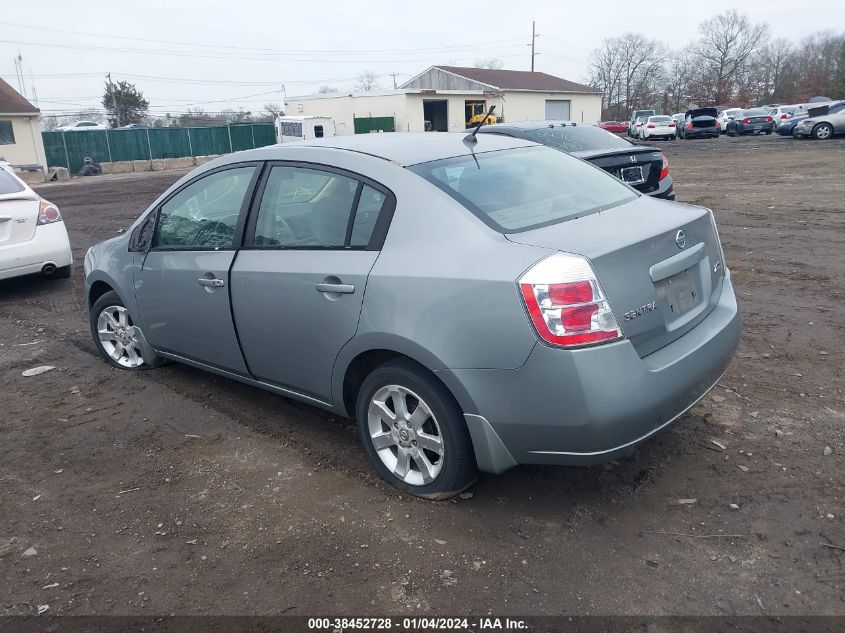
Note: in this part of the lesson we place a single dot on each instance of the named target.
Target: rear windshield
(755, 112)
(8, 183)
(577, 138)
(522, 189)
(660, 119)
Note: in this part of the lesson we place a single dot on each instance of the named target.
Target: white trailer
(300, 128)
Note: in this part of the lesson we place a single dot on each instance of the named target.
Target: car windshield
(577, 138)
(755, 112)
(522, 189)
(8, 183)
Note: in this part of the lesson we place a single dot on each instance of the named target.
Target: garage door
(557, 109)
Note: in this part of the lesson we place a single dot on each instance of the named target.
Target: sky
(220, 54)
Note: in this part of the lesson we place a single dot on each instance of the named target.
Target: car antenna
(470, 138)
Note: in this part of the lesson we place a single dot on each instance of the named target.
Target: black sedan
(754, 121)
(644, 168)
(700, 123)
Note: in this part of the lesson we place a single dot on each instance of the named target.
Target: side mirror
(142, 237)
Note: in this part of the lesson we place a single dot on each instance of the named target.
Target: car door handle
(214, 283)
(345, 289)
(5, 218)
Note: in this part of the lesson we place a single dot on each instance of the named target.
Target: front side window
(203, 215)
(7, 133)
(522, 189)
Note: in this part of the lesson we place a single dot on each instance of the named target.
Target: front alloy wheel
(118, 337)
(822, 132)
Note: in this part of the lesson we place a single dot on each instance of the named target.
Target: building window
(290, 128)
(7, 134)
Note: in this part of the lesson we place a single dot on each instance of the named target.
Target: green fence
(69, 149)
(367, 124)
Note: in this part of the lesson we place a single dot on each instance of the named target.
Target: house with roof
(445, 98)
(21, 144)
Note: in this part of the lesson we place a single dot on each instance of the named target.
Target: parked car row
(820, 121)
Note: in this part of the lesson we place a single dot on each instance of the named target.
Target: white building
(446, 96)
(21, 144)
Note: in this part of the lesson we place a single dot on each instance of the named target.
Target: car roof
(402, 148)
(526, 126)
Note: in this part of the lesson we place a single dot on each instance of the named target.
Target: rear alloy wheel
(115, 335)
(822, 131)
(413, 431)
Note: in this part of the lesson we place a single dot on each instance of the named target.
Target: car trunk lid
(18, 217)
(661, 267)
(638, 166)
(703, 117)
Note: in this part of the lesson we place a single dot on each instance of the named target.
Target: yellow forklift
(475, 112)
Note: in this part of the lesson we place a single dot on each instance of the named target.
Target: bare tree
(493, 63)
(629, 70)
(727, 43)
(326, 90)
(819, 62)
(274, 109)
(367, 81)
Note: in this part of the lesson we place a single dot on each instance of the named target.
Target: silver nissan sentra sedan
(474, 303)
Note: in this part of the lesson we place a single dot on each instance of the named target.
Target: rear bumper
(590, 405)
(710, 132)
(742, 130)
(665, 190)
(50, 245)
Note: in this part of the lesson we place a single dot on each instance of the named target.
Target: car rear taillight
(671, 125)
(769, 119)
(746, 121)
(566, 302)
(784, 116)
(650, 125)
(48, 213)
(689, 125)
(664, 170)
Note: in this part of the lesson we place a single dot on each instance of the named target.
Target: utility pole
(534, 36)
(114, 102)
(19, 74)
(394, 79)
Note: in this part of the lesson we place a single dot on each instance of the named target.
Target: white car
(658, 126)
(33, 238)
(725, 116)
(781, 113)
(82, 125)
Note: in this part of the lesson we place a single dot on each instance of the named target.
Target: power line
(267, 50)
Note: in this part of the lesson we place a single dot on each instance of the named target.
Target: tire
(822, 132)
(442, 469)
(62, 273)
(122, 349)
(672, 138)
(769, 133)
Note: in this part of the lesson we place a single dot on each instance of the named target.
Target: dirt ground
(174, 491)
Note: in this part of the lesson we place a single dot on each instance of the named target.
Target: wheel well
(98, 289)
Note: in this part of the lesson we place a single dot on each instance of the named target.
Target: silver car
(474, 303)
(823, 126)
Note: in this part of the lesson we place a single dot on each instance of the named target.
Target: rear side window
(8, 183)
(577, 138)
(306, 208)
(204, 214)
(518, 190)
